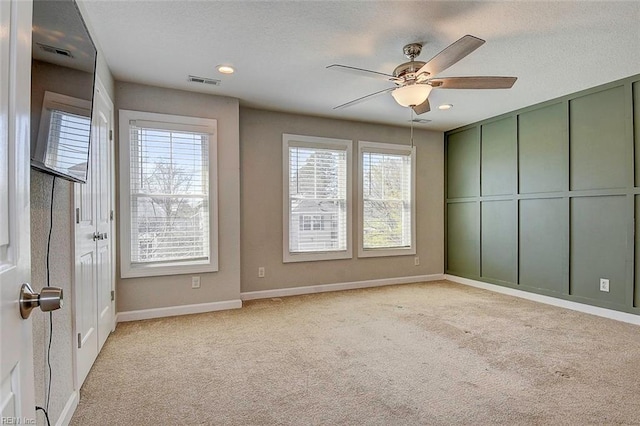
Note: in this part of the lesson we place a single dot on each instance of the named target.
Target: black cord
(46, 415)
(49, 358)
(53, 187)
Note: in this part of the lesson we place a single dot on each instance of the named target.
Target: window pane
(387, 200)
(317, 200)
(169, 195)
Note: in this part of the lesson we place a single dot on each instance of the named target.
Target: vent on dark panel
(204, 80)
(55, 50)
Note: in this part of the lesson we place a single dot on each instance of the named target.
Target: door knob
(99, 236)
(49, 299)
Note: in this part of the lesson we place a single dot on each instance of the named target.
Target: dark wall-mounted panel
(636, 126)
(498, 238)
(543, 248)
(598, 143)
(636, 290)
(543, 150)
(498, 155)
(463, 164)
(599, 247)
(463, 242)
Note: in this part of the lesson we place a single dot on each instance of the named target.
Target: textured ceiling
(280, 50)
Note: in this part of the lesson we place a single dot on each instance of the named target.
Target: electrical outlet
(261, 272)
(416, 261)
(195, 282)
(604, 285)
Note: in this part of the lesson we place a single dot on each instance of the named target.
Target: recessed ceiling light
(225, 69)
(445, 106)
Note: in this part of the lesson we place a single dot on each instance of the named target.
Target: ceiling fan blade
(473, 82)
(451, 54)
(422, 108)
(360, 71)
(364, 98)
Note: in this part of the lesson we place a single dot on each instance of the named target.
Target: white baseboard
(68, 410)
(322, 288)
(178, 310)
(574, 306)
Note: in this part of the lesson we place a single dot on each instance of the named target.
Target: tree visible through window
(169, 195)
(387, 197)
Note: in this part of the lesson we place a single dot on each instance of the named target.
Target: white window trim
(385, 148)
(169, 122)
(289, 140)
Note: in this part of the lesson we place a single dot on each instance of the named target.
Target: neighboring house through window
(168, 194)
(317, 201)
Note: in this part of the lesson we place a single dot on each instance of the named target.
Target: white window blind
(317, 199)
(169, 194)
(68, 147)
(386, 200)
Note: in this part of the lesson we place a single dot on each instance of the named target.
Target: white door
(103, 138)
(17, 401)
(85, 276)
(94, 276)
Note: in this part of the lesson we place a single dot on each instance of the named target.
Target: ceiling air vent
(204, 80)
(420, 120)
(55, 50)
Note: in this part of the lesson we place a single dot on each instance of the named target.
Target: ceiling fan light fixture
(411, 94)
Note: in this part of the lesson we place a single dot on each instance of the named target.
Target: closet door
(94, 278)
(85, 276)
(103, 136)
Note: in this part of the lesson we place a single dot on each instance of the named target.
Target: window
(317, 198)
(168, 194)
(387, 194)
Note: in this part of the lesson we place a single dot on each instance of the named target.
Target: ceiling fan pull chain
(411, 121)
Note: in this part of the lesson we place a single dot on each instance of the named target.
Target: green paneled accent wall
(543, 150)
(598, 143)
(636, 120)
(463, 157)
(463, 245)
(498, 245)
(498, 157)
(599, 247)
(636, 299)
(544, 249)
(547, 198)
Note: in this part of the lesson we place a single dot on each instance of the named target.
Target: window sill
(313, 257)
(140, 271)
(408, 251)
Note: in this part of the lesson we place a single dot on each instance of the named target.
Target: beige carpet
(421, 354)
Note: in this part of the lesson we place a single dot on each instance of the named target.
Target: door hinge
(113, 295)
(111, 215)
(78, 215)
(79, 340)
(110, 135)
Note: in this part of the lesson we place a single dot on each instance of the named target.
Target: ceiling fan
(414, 80)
